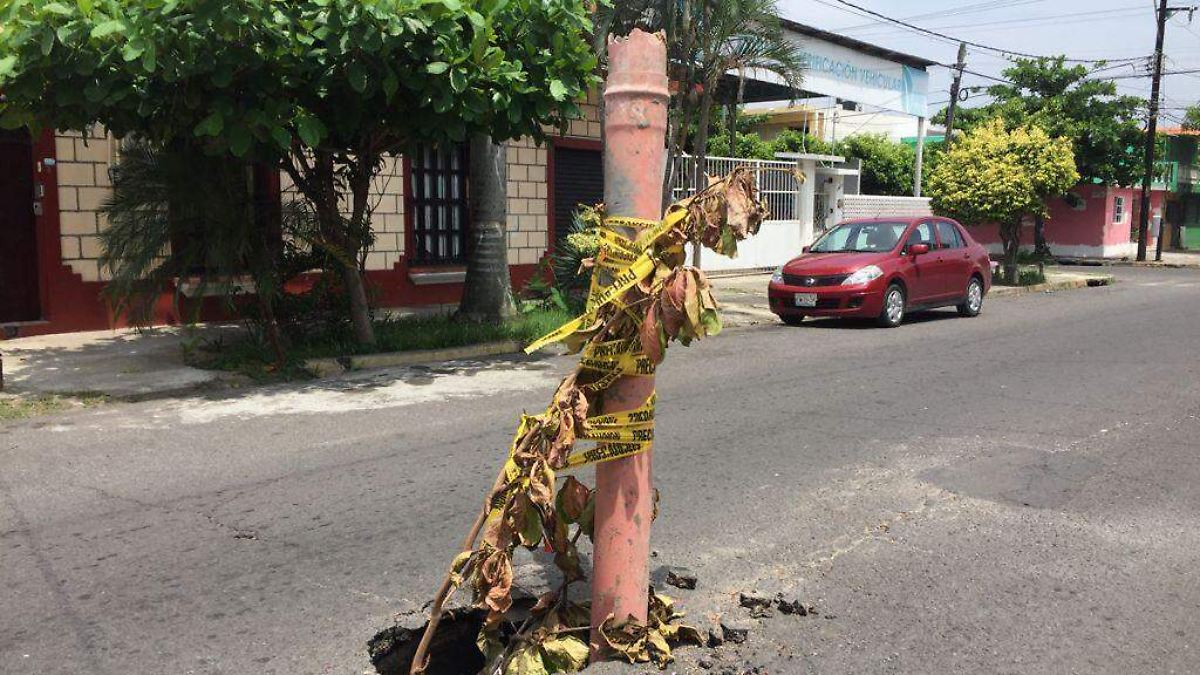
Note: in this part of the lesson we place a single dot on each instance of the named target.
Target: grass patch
(1030, 276)
(253, 359)
(14, 407)
(1027, 275)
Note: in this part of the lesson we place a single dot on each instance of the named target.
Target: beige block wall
(83, 180)
(83, 161)
(528, 204)
(528, 187)
(387, 215)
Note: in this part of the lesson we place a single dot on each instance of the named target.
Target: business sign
(841, 72)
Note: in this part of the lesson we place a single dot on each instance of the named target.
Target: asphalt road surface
(1015, 493)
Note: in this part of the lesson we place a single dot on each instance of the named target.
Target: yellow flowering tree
(998, 175)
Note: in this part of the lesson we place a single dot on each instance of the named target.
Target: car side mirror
(806, 249)
(918, 249)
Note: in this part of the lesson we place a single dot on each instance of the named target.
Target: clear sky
(1091, 29)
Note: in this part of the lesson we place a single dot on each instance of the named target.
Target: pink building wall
(1088, 229)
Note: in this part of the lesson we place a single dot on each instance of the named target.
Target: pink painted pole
(635, 123)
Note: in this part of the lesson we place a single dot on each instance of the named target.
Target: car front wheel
(893, 307)
(973, 303)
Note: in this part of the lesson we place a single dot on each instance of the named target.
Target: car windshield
(872, 237)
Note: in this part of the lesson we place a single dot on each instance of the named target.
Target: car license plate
(806, 299)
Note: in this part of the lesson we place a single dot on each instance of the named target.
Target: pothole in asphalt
(452, 651)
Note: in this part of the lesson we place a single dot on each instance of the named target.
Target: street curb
(1084, 262)
(1051, 286)
(337, 365)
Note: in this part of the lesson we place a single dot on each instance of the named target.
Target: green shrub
(581, 242)
(1030, 276)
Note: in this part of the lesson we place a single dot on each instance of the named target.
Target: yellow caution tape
(625, 262)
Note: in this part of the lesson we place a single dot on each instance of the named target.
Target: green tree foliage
(1191, 118)
(1104, 127)
(798, 141)
(887, 165)
(324, 87)
(179, 218)
(996, 175)
(747, 146)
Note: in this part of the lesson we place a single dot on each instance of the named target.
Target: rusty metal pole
(635, 124)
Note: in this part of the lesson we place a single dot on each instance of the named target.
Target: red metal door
(18, 232)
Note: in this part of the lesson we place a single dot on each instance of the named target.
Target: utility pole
(1151, 131)
(920, 157)
(1164, 13)
(635, 120)
(1161, 15)
(958, 71)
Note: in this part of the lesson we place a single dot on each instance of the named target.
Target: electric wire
(948, 38)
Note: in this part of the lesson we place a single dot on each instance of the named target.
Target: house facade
(1101, 221)
(54, 186)
(1095, 221)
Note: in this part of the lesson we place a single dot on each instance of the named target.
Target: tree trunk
(700, 151)
(334, 230)
(1010, 235)
(360, 309)
(731, 119)
(317, 180)
(676, 136)
(734, 108)
(487, 292)
(1040, 247)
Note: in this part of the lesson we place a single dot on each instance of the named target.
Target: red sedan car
(882, 268)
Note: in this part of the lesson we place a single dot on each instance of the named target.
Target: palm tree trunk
(734, 107)
(487, 292)
(700, 153)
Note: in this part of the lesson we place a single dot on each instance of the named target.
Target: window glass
(948, 235)
(865, 237)
(921, 234)
(438, 203)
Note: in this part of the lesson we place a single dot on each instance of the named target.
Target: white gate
(777, 187)
(778, 240)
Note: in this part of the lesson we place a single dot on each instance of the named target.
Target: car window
(921, 234)
(862, 237)
(948, 235)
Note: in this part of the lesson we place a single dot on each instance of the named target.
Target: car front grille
(805, 281)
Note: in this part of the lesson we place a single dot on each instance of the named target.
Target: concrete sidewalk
(122, 363)
(128, 364)
(1169, 259)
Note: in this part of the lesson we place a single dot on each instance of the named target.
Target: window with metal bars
(438, 207)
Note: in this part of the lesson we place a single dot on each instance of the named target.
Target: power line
(1032, 21)
(967, 9)
(1145, 75)
(949, 38)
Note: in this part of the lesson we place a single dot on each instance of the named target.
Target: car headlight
(862, 276)
(777, 277)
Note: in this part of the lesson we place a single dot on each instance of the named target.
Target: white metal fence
(779, 189)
